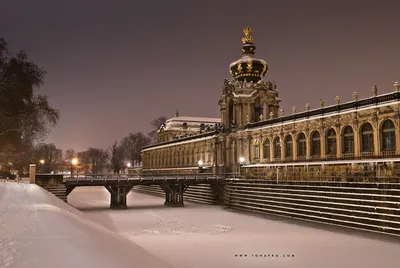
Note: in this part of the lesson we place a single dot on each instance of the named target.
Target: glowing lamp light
(128, 165)
(200, 163)
(41, 161)
(241, 160)
(74, 161)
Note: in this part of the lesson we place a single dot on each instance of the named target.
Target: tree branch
(9, 130)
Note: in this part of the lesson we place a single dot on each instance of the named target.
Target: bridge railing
(158, 177)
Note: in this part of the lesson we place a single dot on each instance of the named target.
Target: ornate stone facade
(358, 136)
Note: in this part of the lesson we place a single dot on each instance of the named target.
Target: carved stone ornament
(396, 86)
(375, 91)
(355, 96)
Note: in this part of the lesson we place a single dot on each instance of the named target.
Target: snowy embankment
(39, 230)
(198, 235)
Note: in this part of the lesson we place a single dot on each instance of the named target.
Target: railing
(158, 177)
(388, 153)
(348, 155)
(367, 154)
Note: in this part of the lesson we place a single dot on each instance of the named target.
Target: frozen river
(210, 236)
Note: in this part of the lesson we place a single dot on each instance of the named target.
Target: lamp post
(200, 163)
(241, 162)
(41, 165)
(128, 165)
(74, 162)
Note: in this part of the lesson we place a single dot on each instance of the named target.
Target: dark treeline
(26, 117)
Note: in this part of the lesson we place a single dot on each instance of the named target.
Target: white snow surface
(210, 236)
(39, 230)
(190, 119)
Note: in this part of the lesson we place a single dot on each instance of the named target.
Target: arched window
(289, 146)
(388, 136)
(315, 144)
(331, 142)
(302, 145)
(277, 148)
(178, 158)
(348, 140)
(367, 138)
(267, 150)
(257, 150)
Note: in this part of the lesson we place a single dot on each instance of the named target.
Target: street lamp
(128, 165)
(41, 164)
(241, 162)
(74, 162)
(200, 163)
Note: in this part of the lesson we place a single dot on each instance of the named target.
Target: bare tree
(132, 146)
(69, 155)
(48, 157)
(93, 160)
(116, 158)
(156, 123)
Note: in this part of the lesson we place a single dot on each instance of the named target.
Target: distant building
(183, 126)
(356, 138)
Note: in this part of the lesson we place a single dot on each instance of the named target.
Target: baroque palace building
(256, 138)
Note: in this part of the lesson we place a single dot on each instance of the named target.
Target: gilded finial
(248, 37)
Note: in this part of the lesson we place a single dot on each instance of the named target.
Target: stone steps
(366, 206)
(59, 191)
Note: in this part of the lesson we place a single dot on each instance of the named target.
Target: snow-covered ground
(210, 236)
(37, 230)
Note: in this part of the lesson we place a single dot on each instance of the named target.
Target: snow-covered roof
(245, 59)
(180, 142)
(189, 119)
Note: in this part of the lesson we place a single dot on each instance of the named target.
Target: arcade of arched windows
(187, 155)
(346, 142)
(365, 140)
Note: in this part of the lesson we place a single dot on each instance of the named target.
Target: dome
(248, 68)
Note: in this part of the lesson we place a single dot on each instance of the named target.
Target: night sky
(113, 66)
